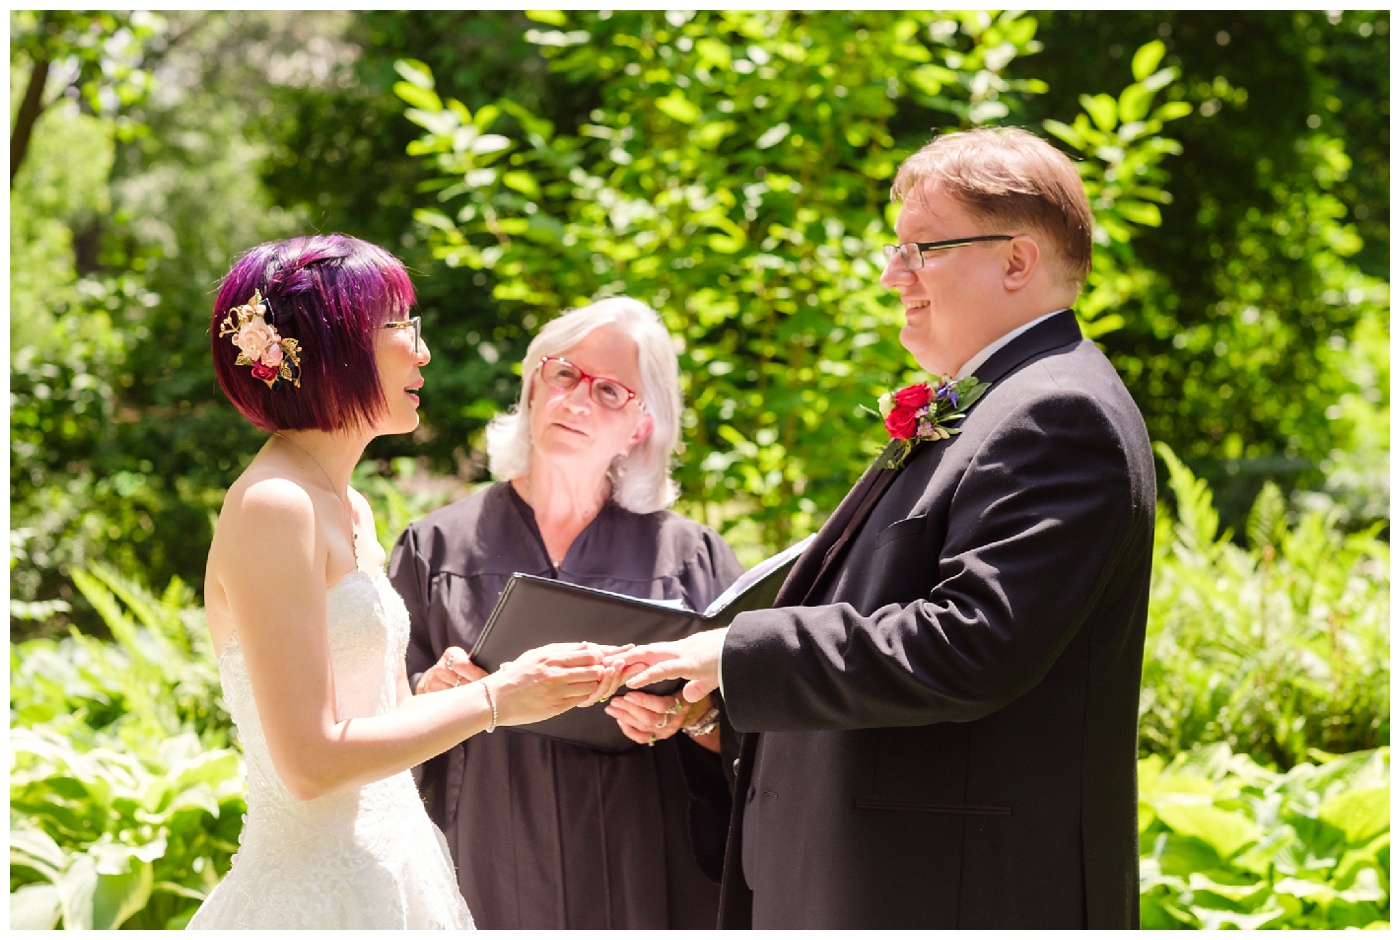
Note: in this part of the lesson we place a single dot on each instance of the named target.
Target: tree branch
(27, 115)
(33, 104)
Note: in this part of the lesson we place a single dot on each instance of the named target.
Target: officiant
(549, 834)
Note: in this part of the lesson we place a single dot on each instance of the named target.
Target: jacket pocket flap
(911, 526)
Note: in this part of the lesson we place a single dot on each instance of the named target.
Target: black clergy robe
(547, 834)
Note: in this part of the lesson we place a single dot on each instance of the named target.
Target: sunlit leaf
(35, 907)
(415, 72)
(417, 96)
(1142, 213)
(1223, 831)
(36, 848)
(1065, 132)
(1103, 109)
(76, 890)
(490, 143)
(1147, 58)
(548, 17)
(1172, 110)
(1360, 814)
(676, 106)
(436, 122)
(1132, 106)
(118, 896)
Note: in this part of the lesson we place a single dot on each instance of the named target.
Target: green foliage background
(734, 173)
(729, 167)
(732, 169)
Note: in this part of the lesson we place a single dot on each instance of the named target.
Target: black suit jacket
(949, 702)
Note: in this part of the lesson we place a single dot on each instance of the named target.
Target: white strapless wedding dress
(360, 857)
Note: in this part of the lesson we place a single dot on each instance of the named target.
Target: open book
(533, 611)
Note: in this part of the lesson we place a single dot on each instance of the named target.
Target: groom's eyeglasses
(912, 253)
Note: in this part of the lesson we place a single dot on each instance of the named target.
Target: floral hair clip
(273, 358)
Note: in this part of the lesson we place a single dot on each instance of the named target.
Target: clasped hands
(695, 658)
(582, 674)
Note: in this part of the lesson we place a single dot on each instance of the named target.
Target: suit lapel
(863, 503)
(832, 538)
(845, 523)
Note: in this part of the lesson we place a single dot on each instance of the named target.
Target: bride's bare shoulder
(263, 495)
(264, 512)
(266, 518)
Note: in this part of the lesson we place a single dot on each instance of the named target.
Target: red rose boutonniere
(923, 413)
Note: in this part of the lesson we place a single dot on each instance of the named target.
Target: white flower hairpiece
(273, 358)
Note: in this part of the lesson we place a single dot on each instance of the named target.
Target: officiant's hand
(452, 669)
(646, 718)
(695, 658)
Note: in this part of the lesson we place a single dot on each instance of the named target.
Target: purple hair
(332, 293)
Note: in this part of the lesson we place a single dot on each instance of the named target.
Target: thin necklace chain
(349, 513)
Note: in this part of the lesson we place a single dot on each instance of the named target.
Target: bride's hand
(543, 682)
(452, 669)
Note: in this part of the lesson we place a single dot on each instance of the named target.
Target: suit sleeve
(1035, 529)
(409, 575)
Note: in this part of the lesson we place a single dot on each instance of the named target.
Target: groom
(946, 696)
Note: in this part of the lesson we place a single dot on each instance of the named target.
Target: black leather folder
(533, 611)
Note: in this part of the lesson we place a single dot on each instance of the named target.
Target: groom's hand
(695, 658)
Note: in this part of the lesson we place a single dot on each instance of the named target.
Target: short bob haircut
(332, 293)
(642, 483)
(1009, 178)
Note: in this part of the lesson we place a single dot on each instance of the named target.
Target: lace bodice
(358, 856)
(368, 630)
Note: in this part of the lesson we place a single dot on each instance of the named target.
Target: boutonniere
(923, 413)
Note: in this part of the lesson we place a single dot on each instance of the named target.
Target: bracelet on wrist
(490, 700)
(704, 724)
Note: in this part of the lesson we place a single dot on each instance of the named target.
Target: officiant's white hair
(642, 482)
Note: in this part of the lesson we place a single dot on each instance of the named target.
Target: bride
(312, 343)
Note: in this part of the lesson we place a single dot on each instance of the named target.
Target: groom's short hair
(1008, 178)
(332, 294)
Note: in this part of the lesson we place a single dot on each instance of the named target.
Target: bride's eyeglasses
(412, 323)
(565, 376)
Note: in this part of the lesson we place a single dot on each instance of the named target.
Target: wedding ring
(456, 680)
(652, 741)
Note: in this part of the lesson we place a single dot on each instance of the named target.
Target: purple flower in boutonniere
(924, 413)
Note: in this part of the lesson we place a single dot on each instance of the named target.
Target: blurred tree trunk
(33, 104)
